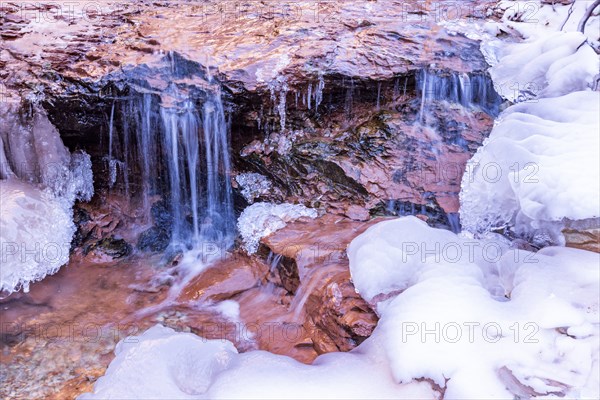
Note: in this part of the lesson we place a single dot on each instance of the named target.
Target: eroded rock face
(583, 234)
(375, 157)
(336, 317)
(323, 97)
(247, 44)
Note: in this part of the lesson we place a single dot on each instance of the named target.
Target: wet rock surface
(324, 103)
(337, 318)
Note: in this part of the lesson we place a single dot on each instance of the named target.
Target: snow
(261, 219)
(35, 235)
(164, 364)
(552, 66)
(540, 166)
(436, 328)
(442, 319)
(535, 19)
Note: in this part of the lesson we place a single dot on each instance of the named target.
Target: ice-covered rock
(40, 181)
(35, 234)
(253, 185)
(262, 219)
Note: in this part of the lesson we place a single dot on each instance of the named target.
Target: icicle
(319, 92)
(281, 108)
(112, 167)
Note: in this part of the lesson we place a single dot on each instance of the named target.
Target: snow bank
(479, 319)
(552, 66)
(262, 219)
(541, 163)
(35, 234)
(163, 364)
(447, 326)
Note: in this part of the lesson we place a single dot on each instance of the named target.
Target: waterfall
(177, 148)
(471, 91)
(219, 207)
(195, 142)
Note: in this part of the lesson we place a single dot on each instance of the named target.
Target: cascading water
(211, 205)
(470, 91)
(174, 145)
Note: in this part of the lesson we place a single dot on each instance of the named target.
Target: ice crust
(35, 234)
(262, 219)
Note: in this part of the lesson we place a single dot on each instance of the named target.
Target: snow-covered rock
(163, 364)
(450, 325)
(540, 167)
(262, 219)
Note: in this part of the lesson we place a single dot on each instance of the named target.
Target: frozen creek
(324, 301)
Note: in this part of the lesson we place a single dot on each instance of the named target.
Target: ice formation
(40, 183)
(253, 185)
(35, 234)
(262, 219)
(477, 318)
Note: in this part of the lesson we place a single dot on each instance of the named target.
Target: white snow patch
(552, 66)
(163, 364)
(447, 326)
(539, 165)
(261, 219)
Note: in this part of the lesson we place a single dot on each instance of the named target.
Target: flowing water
(472, 91)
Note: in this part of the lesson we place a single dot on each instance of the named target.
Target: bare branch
(587, 15)
(568, 15)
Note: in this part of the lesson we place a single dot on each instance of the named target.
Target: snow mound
(539, 165)
(163, 364)
(262, 219)
(552, 66)
(446, 326)
(35, 234)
